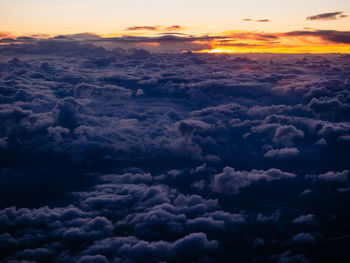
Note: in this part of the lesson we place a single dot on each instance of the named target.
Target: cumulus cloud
(304, 219)
(303, 238)
(337, 177)
(230, 182)
(289, 256)
(283, 153)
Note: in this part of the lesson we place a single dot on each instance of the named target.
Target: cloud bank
(124, 155)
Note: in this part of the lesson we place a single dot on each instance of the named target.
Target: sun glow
(261, 42)
(280, 49)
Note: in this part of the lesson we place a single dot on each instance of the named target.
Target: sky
(112, 18)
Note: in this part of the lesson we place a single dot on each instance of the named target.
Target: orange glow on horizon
(226, 42)
(261, 42)
(281, 49)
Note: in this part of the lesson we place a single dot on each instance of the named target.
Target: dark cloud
(136, 28)
(302, 238)
(332, 176)
(155, 28)
(282, 153)
(327, 16)
(258, 20)
(230, 181)
(304, 219)
(328, 35)
(290, 257)
(165, 42)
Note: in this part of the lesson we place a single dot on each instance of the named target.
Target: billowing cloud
(230, 182)
(304, 219)
(126, 155)
(283, 153)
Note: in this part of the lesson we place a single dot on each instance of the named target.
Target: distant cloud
(166, 39)
(174, 28)
(258, 20)
(5, 34)
(139, 28)
(328, 35)
(327, 16)
(254, 36)
(155, 28)
(167, 42)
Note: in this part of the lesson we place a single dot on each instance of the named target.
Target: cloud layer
(123, 155)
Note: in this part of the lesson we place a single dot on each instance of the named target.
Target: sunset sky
(196, 18)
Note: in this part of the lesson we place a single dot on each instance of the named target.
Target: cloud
(258, 20)
(335, 177)
(155, 28)
(254, 36)
(303, 238)
(283, 153)
(286, 133)
(188, 247)
(5, 35)
(137, 28)
(327, 16)
(174, 28)
(329, 108)
(129, 155)
(289, 256)
(230, 181)
(304, 219)
(165, 42)
(327, 35)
